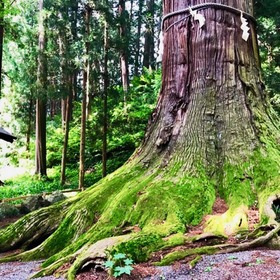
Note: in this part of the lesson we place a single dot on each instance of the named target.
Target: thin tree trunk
(138, 39)
(29, 124)
(1, 39)
(149, 45)
(66, 102)
(41, 152)
(124, 48)
(75, 72)
(88, 87)
(66, 137)
(83, 135)
(84, 103)
(105, 101)
(62, 43)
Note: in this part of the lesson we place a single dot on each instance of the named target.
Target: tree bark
(83, 134)
(41, 108)
(66, 137)
(105, 101)
(204, 107)
(86, 90)
(29, 123)
(1, 39)
(124, 48)
(88, 63)
(138, 38)
(149, 45)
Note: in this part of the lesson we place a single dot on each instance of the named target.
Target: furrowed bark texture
(210, 76)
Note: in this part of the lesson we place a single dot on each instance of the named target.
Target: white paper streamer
(245, 28)
(199, 17)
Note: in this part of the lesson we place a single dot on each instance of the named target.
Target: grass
(27, 184)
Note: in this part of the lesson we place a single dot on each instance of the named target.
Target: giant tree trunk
(211, 135)
(211, 87)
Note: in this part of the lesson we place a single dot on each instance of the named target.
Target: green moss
(174, 240)
(235, 186)
(139, 247)
(179, 255)
(195, 261)
(161, 203)
(232, 221)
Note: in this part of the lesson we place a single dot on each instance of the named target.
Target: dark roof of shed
(5, 135)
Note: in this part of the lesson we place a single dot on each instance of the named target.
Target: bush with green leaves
(119, 264)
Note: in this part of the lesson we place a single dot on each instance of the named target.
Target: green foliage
(26, 184)
(257, 262)
(232, 257)
(128, 119)
(208, 269)
(119, 265)
(268, 18)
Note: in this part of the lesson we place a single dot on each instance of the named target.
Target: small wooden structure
(6, 136)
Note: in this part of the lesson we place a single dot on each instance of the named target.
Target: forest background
(92, 70)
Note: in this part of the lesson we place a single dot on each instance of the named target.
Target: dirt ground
(259, 264)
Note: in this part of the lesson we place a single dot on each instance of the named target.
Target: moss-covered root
(54, 267)
(32, 228)
(138, 246)
(195, 261)
(181, 254)
(95, 252)
(230, 222)
(220, 248)
(262, 240)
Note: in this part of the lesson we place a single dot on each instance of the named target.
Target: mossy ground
(149, 207)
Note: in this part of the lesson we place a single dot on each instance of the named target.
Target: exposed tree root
(95, 254)
(262, 240)
(33, 227)
(150, 206)
(220, 248)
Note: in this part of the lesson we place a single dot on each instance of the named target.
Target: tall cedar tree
(41, 111)
(105, 94)
(1, 39)
(124, 46)
(212, 135)
(149, 46)
(86, 90)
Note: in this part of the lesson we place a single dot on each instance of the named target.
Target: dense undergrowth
(125, 134)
